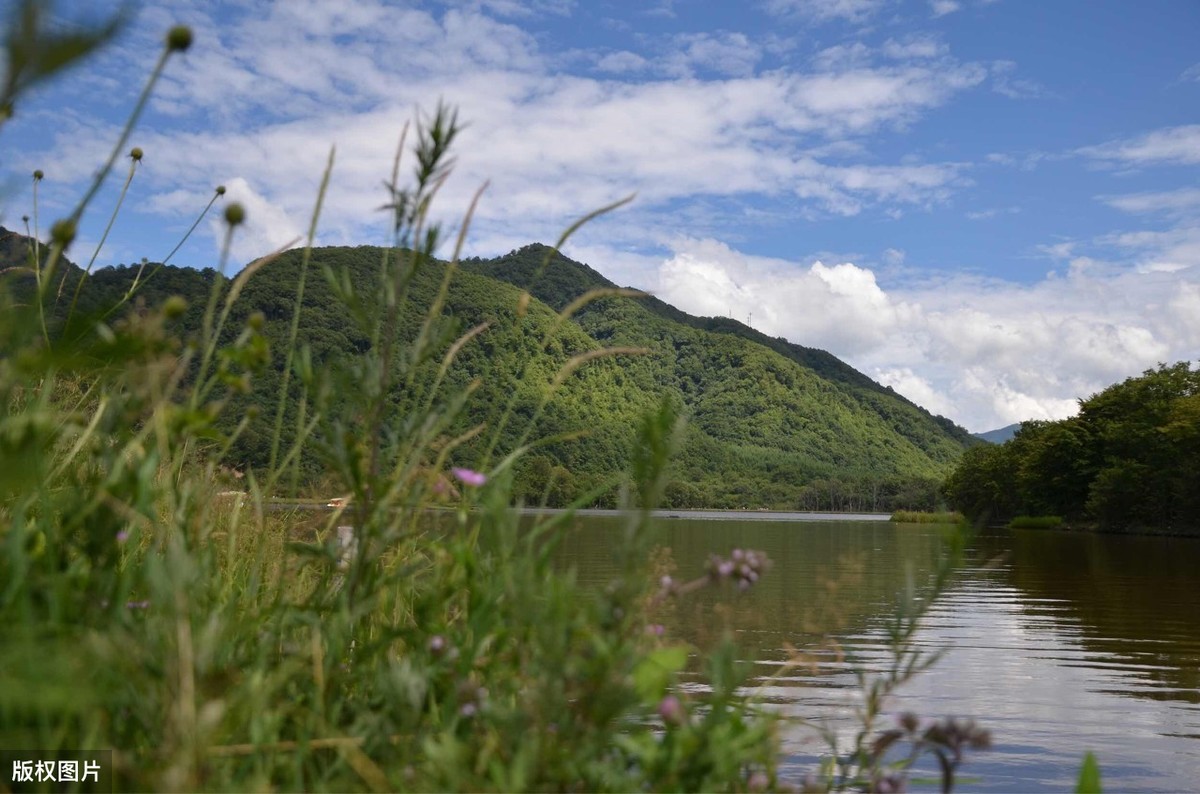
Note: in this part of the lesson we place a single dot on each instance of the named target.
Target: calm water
(1058, 643)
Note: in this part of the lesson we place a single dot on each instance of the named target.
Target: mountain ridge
(771, 423)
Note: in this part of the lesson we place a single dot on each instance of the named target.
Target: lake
(1057, 642)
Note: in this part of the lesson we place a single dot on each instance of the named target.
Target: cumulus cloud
(267, 227)
(986, 352)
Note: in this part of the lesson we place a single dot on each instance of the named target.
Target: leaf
(1089, 776)
(653, 674)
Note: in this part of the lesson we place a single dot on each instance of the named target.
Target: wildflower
(122, 536)
(437, 644)
(469, 476)
(655, 629)
(137, 604)
(671, 710)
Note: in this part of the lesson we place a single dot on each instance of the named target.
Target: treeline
(1129, 461)
(770, 424)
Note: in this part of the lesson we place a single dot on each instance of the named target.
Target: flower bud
(135, 154)
(671, 710)
(63, 232)
(179, 38)
(38, 175)
(174, 307)
(235, 214)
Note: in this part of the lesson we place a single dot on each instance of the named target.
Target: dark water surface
(1058, 643)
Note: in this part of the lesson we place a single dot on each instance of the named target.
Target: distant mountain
(771, 423)
(1000, 435)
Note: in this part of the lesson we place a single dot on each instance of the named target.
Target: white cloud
(1171, 202)
(1178, 145)
(909, 47)
(940, 8)
(827, 10)
(984, 352)
(1006, 83)
(264, 99)
(267, 227)
(1191, 74)
(622, 62)
(993, 212)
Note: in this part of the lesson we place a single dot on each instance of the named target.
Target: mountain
(1000, 435)
(771, 423)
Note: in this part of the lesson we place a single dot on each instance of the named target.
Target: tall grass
(214, 644)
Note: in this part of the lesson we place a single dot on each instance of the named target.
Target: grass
(216, 645)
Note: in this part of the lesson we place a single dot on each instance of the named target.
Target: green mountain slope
(772, 424)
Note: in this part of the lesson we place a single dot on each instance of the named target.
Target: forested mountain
(771, 424)
(1000, 434)
(1130, 460)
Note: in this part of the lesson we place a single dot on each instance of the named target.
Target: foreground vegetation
(215, 645)
(1129, 461)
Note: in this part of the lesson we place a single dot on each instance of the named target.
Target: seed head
(220, 190)
(135, 154)
(63, 232)
(37, 175)
(174, 307)
(256, 321)
(179, 38)
(235, 214)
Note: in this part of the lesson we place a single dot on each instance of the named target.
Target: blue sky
(990, 205)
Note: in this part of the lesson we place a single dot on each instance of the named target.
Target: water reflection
(1068, 643)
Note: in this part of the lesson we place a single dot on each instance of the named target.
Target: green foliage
(415, 638)
(1089, 776)
(1129, 461)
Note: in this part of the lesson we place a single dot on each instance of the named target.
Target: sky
(990, 205)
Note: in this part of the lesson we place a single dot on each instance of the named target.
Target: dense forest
(771, 424)
(1129, 461)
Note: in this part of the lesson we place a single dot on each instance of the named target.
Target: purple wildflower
(671, 710)
(122, 536)
(469, 476)
(137, 604)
